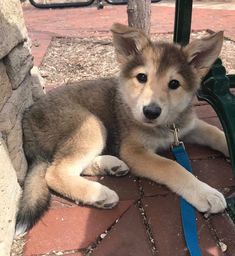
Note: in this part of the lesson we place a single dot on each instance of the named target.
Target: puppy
(107, 126)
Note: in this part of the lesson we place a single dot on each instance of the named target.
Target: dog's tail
(35, 198)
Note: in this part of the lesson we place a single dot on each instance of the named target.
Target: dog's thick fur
(69, 131)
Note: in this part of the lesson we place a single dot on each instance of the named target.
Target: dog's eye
(174, 84)
(142, 78)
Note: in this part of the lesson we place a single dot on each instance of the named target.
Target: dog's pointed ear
(128, 41)
(202, 53)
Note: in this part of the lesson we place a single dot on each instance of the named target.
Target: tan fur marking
(148, 164)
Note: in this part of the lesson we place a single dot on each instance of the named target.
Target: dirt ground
(73, 59)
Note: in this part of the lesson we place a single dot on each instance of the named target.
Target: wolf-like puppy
(72, 129)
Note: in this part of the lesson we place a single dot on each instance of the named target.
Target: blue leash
(188, 216)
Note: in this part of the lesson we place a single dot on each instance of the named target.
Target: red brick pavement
(147, 221)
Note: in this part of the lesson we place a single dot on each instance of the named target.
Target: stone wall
(20, 86)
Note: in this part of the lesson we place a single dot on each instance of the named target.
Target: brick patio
(147, 220)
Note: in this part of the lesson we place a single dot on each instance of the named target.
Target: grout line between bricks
(212, 157)
(89, 250)
(214, 234)
(145, 220)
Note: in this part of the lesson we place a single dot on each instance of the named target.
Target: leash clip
(175, 132)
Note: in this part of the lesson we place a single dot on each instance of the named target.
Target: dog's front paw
(208, 199)
(107, 199)
(99, 196)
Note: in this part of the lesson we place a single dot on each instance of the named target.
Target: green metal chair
(215, 88)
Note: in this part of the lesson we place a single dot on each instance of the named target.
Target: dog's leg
(208, 135)
(147, 164)
(61, 178)
(106, 164)
(72, 157)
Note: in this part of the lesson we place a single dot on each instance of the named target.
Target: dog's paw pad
(120, 170)
(110, 206)
(110, 200)
(103, 205)
(216, 201)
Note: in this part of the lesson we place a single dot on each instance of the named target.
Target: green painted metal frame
(215, 88)
(183, 18)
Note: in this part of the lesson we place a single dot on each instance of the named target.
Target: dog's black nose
(152, 111)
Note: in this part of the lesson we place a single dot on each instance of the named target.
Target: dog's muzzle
(152, 111)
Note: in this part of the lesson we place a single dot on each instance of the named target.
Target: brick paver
(204, 111)
(67, 227)
(151, 188)
(126, 187)
(225, 232)
(197, 152)
(164, 217)
(128, 237)
(216, 172)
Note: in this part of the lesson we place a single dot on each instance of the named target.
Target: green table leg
(183, 16)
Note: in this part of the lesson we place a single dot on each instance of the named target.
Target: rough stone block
(15, 149)
(18, 64)
(5, 86)
(20, 99)
(38, 84)
(9, 194)
(12, 29)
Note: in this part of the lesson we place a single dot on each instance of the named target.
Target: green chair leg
(215, 90)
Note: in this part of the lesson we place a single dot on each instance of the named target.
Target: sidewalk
(147, 220)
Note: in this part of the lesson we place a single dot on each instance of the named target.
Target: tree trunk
(139, 14)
